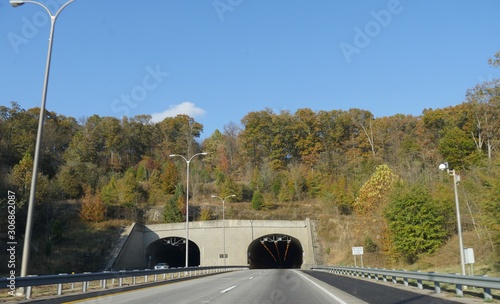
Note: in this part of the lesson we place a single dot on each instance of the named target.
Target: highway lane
(270, 286)
(375, 293)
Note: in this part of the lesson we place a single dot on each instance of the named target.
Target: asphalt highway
(265, 286)
(276, 286)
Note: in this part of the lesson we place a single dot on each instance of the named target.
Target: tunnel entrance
(275, 251)
(172, 250)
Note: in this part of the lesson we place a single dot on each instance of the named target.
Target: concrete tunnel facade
(256, 243)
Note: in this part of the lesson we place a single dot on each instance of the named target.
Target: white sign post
(357, 251)
(469, 259)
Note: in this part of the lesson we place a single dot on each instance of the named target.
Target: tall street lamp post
(31, 202)
(223, 224)
(456, 180)
(187, 200)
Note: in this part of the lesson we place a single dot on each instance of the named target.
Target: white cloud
(187, 108)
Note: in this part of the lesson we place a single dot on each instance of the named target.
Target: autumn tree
(257, 200)
(21, 177)
(495, 61)
(172, 213)
(179, 133)
(375, 191)
(334, 132)
(417, 224)
(457, 148)
(93, 208)
(109, 192)
(363, 120)
(484, 100)
(257, 136)
(307, 136)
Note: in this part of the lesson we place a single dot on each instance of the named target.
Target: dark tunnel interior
(275, 251)
(172, 250)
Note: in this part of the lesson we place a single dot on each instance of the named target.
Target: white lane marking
(228, 289)
(321, 288)
(250, 278)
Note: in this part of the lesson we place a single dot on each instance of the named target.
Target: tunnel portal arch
(172, 250)
(275, 251)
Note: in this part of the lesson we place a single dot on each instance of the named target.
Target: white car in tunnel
(161, 266)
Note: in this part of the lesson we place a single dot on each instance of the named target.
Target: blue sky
(218, 60)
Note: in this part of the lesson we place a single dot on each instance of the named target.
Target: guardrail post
(85, 284)
(419, 284)
(405, 281)
(60, 286)
(487, 294)
(28, 292)
(134, 279)
(394, 280)
(103, 281)
(384, 278)
(458, 288)
(437, 287)
(120, 280)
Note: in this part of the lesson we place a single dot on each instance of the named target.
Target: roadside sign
(357, 250)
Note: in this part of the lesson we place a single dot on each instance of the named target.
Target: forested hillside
(378, 173)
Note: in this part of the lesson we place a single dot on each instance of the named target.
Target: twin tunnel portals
(275, 251)
(268, 251)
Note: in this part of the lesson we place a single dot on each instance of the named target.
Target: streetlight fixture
(188, 161)
(31, 202)
(456, 180)
(223, 223)
(16, 3)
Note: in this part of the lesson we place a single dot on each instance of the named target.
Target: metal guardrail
(460, 281)
(85, 278)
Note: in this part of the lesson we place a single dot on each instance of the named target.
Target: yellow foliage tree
(93, 208)
(371, 228)
(374, 193)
